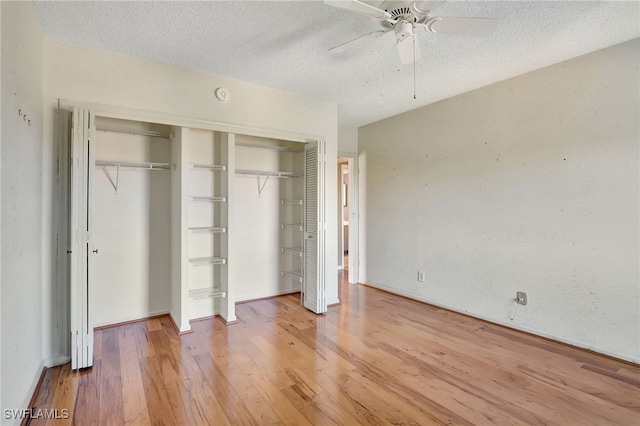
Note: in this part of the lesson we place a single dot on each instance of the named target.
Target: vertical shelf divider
(179, 310)
(228, 307)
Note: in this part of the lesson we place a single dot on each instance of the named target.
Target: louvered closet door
(313, 286)
(82, 250)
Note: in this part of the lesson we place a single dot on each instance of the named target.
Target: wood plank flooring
(376, 359)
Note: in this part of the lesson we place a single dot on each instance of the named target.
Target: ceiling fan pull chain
(414, 67)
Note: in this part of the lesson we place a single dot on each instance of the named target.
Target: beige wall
(347, 139)
(530, 185)
(22, 277)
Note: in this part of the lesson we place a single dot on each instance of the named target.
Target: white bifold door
(81, 247)
(313, 281)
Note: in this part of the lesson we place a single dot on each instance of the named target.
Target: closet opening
(269, 206)
(131, 221)
(163, 218)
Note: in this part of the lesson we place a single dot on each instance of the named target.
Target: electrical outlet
(521, 298)
(421, 276)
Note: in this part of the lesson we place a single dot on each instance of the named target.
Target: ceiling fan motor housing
(403, 29)
(399, 11)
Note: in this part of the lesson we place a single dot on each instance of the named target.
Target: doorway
(347, 216)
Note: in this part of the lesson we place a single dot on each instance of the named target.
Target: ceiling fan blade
(428, 5)
(472, 27)
(406, 48)
(359, 7)
(360, 41)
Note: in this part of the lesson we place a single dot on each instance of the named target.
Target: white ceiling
(283, 44)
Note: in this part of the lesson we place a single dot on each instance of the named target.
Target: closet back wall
(258, 223)
(132, 273)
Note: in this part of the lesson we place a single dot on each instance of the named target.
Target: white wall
(89, 75)
(23, 323)
(530, 185)
(131, 227)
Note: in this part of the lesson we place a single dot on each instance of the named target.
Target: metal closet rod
(267, 173)
(135, 132)
(120, 164)
(140, 165)
(276, 148)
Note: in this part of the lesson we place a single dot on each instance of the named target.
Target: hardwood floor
(376, 359)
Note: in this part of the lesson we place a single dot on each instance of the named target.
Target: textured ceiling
(283, 44)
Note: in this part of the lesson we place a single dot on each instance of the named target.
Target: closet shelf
(275, 148)
(295, 275)
(208, 166)
(211, 199)
(267, 173)
(296, 251)
(135, 132)
(296, 226)
(198, 261)
(134, 165)
(209, 229)
(205, 293)
(296, 202)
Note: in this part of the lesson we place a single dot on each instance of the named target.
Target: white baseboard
(259, 296)
(55, 361)
(183, 328)
(333, 301)
(131, 319)
(32, 388)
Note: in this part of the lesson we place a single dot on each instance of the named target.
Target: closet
(181, 218)
(131, 221)
(269, 216)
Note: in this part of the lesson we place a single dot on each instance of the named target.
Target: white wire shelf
(208, 166)
(275, 148)
(210, 199)
(294, 275)
(296, 226)
(208, 229)
(135, 132)
(293, 202)
(199, 261)
(295, 251)
(134, 165)
(267, 173)
(206, 293)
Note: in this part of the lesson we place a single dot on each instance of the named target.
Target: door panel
(80, 238)
(313, 286)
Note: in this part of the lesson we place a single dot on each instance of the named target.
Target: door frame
(354, 215)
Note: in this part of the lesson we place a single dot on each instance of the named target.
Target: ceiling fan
(403, 17)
